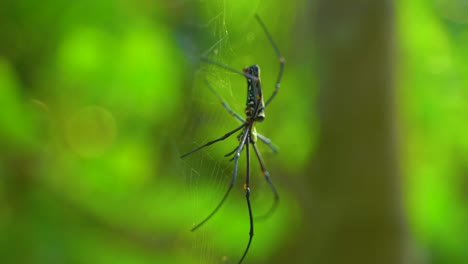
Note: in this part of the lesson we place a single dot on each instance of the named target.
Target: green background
(98, 99)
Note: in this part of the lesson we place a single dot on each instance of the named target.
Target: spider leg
(247, 197)
(268, 142)
(219, 64)
(233, 180)
(280, 59)
(224, 103)
(214, 141)
(270, 182)
(230, 153)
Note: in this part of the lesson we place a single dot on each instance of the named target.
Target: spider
(254, 112)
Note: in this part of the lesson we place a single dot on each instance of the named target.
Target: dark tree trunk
(354, 201)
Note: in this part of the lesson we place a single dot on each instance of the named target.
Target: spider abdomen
(255, 107)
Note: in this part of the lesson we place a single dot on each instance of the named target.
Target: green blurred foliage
(92, 100)
(99, 99)
(434, 106)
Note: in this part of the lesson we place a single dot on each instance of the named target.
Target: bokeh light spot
(90, 131)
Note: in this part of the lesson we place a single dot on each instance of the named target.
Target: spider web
(207, 172)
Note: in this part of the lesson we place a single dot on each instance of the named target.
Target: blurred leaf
(17, 127)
